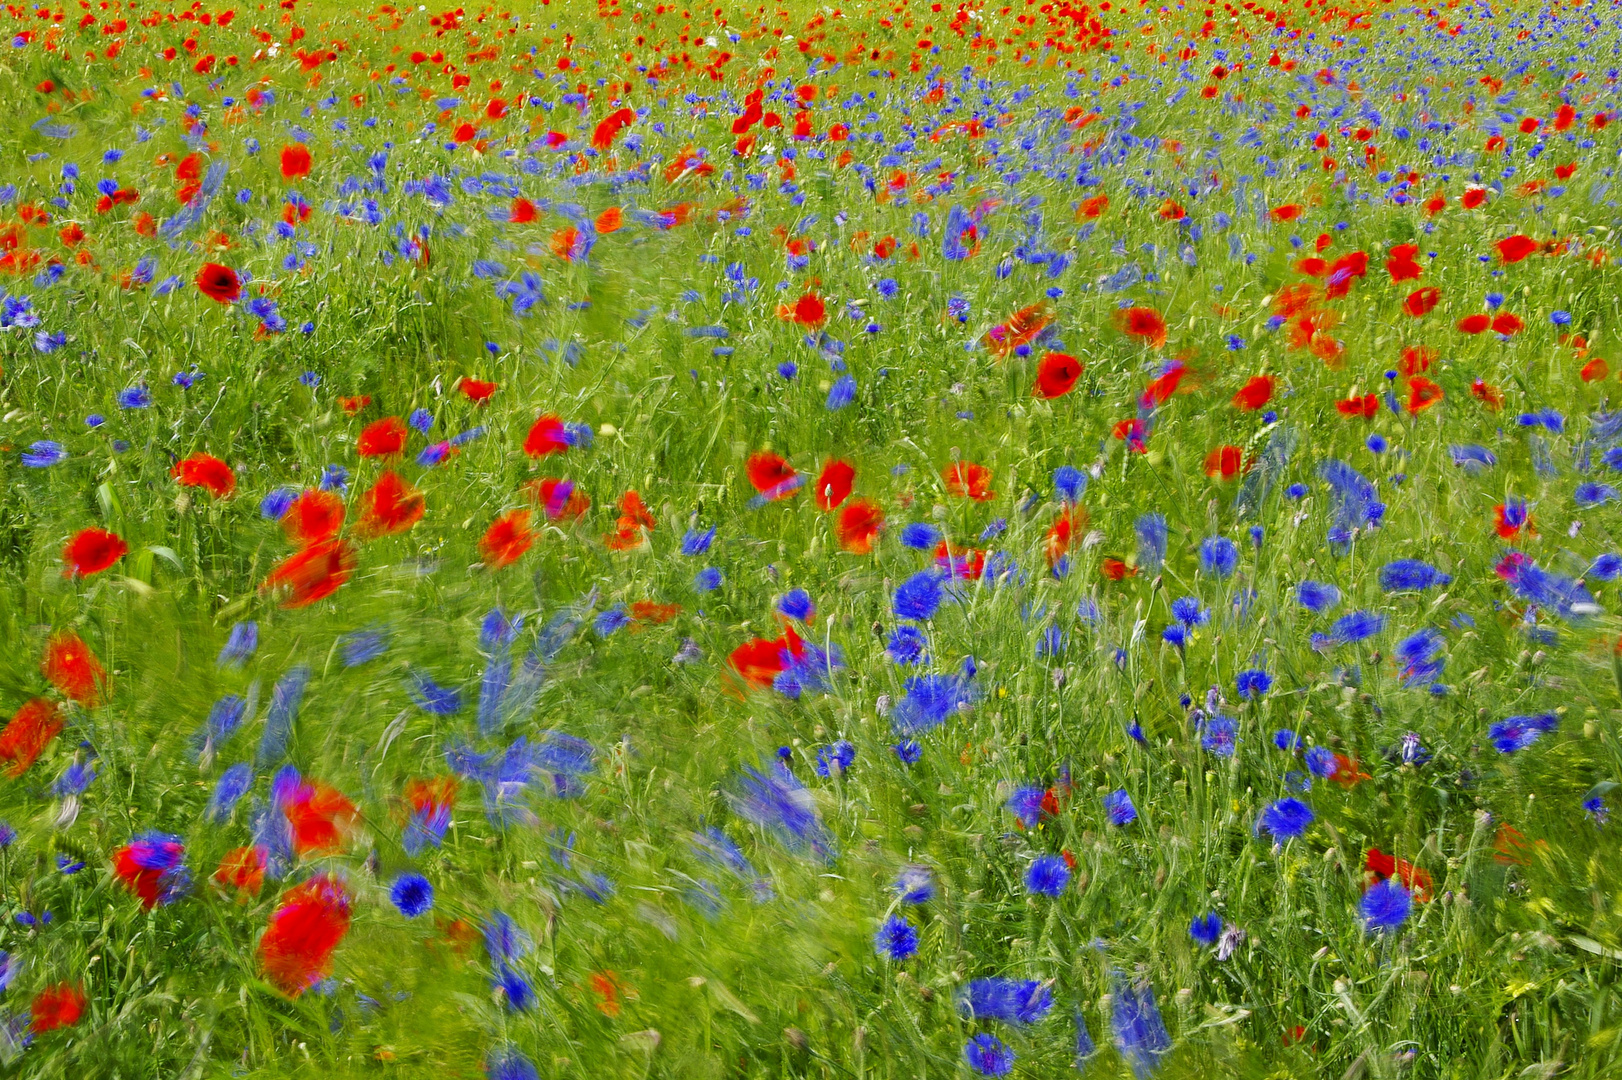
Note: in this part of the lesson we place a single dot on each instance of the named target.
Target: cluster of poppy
(680, 133)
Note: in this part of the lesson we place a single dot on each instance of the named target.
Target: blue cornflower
(920, 536)
(835, 759)
(1140, 1034)
(909, 751)
(915, 884)
(1026, 805)
(509, 1063)
(1187, 610)
(773, 799)
(1285, 819)
(1221, 733)
(432, 698)
(1405, 574)
(897, 938)
(919, 596)
(240, 645)
(1219, 556)
(1047, 876)
(1286, 740)
(987, 1055)
(1013, 1001)
(906, 645)
(1385, 906)
(1321, 762)
(136, 397)
(421, 419)
(1253, 683)
(44, 454)
(228, 790)
(1519, 732)
(275, 505)
(796, 604)
(412, 894)
(1118, 808)
(695, 542)
(1069, 483)
(1205, 929)
(842, 393)
(1356, 626)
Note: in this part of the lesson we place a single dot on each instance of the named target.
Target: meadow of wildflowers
(900, 539)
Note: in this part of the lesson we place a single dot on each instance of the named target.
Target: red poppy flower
(1508, 324)
(1344, 271)
(758, 661)
(1487, 394)
(1131, 432)
(506, 540)
(242, 869)
(1312, 266)
(1401, 265)
(1473, 197)
(91, 551)
(609, 220)
(1116, 570)
(313, 516)
(1422, 394)
(1224, 463)
(561, 500)
(390, 506)
(1512, 846)
(859, 524)
(650, 612)
(1512, 249)
(353, 405)
(73, 669)
(1595, 370)
(833, 486)
(771, 475)
(1020, 329)
(319, 816)
(546, 436)
(1144, 323)
(55, 1007)
(968, 481)
(1507, 529)
(206, 471)
(476, 391)
(295, 161)
(1417, 359)
(1415, 879)
(382, 438)
(1258, 391)
(1056, 375)
(30, 731)
(219, 283)
(1287, 212)
(1365, 406)
(296, 950)
(1422, 301)
(633, 524)
(1062, 532)
(133, 866)
(522, 212)
(313, 573)
(602, 137)
(966, 564)
(808, 310)
(1475, 324)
